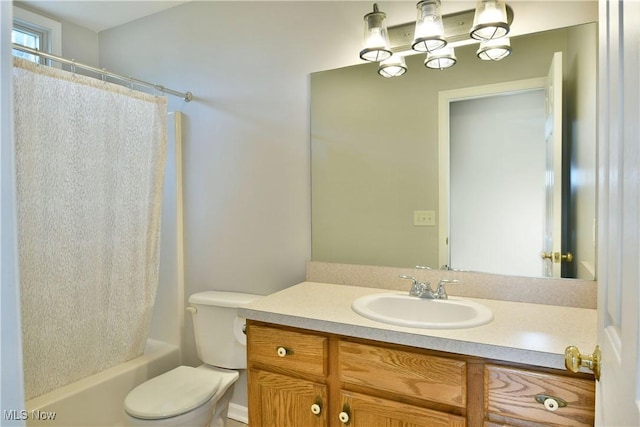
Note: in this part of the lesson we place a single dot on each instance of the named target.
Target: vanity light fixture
(490, 21)
(376, 39)
(395, 66)
(429, 32)
(437, 35)
(494, 50)
(441, 59)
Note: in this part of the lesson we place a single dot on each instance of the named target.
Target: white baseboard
(238, 413)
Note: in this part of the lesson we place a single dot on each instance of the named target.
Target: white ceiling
(98, 15)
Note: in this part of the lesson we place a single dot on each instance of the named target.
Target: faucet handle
(417, 288)
(441, 291)
(413, 279)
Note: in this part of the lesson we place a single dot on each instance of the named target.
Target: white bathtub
(98, 400)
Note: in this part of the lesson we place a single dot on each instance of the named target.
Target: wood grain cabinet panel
(421, 376)
(303, 352)
(279, 400)
(511, 393)
(368, 411)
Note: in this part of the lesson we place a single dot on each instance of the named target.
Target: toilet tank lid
(222, 299)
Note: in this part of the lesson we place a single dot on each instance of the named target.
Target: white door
(618, 390)
(552, 245)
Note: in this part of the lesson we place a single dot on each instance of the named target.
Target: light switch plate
(424, 218)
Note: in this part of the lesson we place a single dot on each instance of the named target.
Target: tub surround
(533, 334)
(98, 400)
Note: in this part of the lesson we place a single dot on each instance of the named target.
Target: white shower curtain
(89, 160)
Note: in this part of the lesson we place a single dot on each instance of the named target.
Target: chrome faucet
(424, 290)
(420, 290)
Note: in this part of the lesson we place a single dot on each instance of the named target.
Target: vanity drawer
(511, 392)
(404, 372)
(290, 350)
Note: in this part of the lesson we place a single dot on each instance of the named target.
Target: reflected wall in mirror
(375, 157)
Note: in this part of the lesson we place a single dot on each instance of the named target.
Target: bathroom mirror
(375, 171)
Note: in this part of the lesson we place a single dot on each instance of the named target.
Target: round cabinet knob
(282, 352)
(344, 417)
(316, 409)
(551, 404)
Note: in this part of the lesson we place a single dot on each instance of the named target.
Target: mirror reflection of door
(568, 215)
(497, 196)
(555, 208)
(504, 142)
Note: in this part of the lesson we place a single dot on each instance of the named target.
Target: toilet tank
(219, 335)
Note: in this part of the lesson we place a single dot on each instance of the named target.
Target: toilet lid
(173, 393)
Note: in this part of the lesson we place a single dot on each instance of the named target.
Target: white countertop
(533, 334)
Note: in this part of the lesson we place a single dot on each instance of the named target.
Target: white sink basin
(406, 310)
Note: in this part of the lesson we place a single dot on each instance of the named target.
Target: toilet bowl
(184, 396)
(188, 396)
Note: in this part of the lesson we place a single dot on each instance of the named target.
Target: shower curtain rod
(188, 96)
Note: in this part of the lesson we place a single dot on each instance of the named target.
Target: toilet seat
(173, 393)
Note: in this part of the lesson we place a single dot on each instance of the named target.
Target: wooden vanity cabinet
(300, 378)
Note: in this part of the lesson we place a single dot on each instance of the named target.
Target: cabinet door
(283, 401)
(359, 410)
(514, 394)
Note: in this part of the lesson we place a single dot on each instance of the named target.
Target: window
(29, 37)
(37, 32)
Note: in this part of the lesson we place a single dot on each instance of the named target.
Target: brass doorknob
(557, 256)
(567, 257)
(574, 360)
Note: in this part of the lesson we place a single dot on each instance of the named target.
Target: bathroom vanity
(314, 362)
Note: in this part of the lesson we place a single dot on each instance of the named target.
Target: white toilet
(187, 396)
